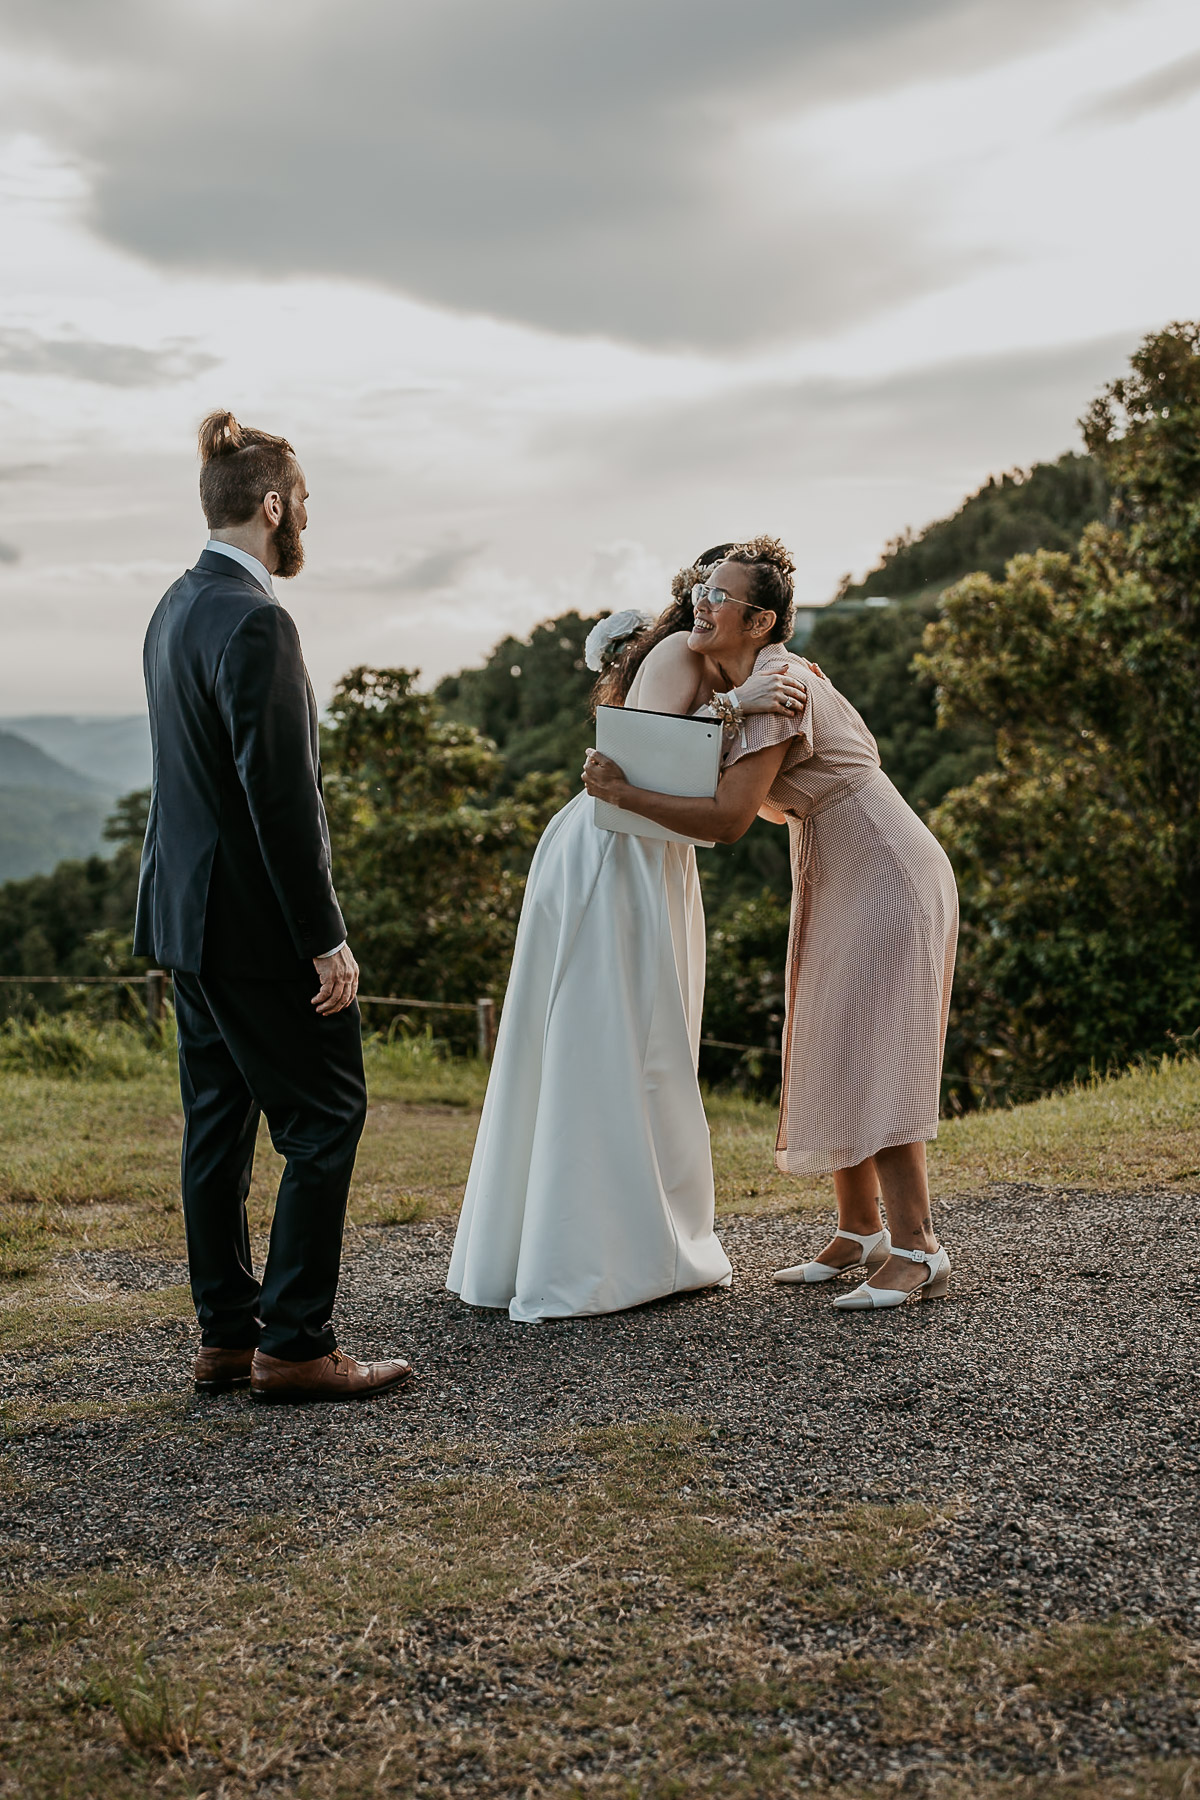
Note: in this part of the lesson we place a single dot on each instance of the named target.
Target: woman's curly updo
(771, 589)
(772, 584)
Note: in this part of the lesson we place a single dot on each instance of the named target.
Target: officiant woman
(874, 928)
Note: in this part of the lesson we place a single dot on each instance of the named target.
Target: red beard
(288, 546)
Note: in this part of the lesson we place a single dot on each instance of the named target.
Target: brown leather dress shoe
(216, 1370)
(332, 1377)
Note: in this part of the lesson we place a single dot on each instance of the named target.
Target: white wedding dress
(591, 1186)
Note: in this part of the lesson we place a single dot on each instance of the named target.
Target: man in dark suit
(236, 898)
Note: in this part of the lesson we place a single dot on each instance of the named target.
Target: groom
(236, 898)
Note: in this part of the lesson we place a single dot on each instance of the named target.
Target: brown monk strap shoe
(332, 1377)
(215, 1370)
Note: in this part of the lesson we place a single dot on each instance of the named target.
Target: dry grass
(612, 1630)
(1137, 1130)
(93, 1164)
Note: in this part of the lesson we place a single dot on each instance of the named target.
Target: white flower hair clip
(606, 640)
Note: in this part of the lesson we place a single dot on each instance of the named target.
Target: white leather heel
(876, 1247)
(937, 1280)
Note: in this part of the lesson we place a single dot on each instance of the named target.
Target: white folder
(662, 752)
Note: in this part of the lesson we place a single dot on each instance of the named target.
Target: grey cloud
(1167, 86)
(9, 553)
(567, 166)
(431, 571)
(88, 359)
(746, 456)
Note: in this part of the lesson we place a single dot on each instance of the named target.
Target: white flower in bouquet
(607, 639)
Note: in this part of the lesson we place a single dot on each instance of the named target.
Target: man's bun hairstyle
(772, 584)
(239, 467)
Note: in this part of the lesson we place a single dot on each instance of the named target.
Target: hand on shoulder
(774, 689)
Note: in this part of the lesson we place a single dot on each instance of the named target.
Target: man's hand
(339, 981)
(604, 780)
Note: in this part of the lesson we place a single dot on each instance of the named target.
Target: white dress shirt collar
(260, 573)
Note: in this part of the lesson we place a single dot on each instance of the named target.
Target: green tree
(429, 869)
(78, 920)
(1144, 430)
(532, 699)
(869, 655)
(1079, 856)
(743, 999)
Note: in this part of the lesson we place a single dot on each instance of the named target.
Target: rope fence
(153, 986)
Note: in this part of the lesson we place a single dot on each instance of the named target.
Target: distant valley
(59, 777)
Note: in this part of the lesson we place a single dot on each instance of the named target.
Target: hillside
(868, 648)
(48, 812)
(530, 697)
(24, 765)
(1042, 508)
(59, 777)
(114, 752)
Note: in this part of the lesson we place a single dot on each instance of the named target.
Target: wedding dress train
(591, 1185)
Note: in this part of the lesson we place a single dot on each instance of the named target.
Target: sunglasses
(714, 598)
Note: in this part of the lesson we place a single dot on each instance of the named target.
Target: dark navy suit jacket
(235, 876)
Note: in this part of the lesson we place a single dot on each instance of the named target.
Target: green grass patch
(89, 1144)
(69, 1047)
(1140, 1129)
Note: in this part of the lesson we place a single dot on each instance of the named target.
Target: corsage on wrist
(727, 708)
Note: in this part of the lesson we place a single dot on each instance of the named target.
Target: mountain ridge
(112, 750)
(25, 765)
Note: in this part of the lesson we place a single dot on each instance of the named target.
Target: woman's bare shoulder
(669, 678)
(672, 653)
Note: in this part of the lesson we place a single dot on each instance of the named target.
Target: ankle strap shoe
(937, 1280)
(876, 1247)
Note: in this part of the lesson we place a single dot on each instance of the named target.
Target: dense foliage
(1079, 856)
(869, 656)
(531, 698)
(76, 921)
(429, 863)
(1050, 729)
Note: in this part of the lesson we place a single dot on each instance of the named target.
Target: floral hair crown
(606, 641)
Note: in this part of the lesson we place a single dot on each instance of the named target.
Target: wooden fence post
(156, 993)
(485, 1014)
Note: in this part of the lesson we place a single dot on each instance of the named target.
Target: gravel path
(1054, 1391)
(1053, 1396)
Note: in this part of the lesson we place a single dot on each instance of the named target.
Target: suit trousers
(247, 1048)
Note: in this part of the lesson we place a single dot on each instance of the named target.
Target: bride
(591, 1184)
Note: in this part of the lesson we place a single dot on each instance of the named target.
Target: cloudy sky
(551, 293)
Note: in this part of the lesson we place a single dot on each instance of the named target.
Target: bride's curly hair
(772, 589)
